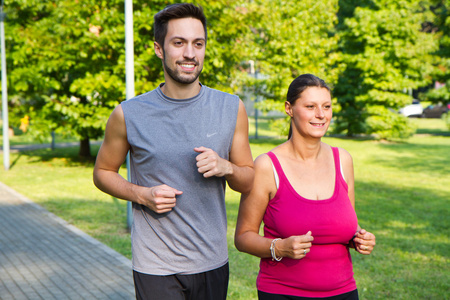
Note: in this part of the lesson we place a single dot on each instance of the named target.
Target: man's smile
(187, 66)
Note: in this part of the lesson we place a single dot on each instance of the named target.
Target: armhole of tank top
(275, 174)
(342, 170)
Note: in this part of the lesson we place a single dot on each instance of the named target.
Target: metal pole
(256, 107)
(129, 78)
(256, 119)
(4, 93)
(253, 73)
(53, 144)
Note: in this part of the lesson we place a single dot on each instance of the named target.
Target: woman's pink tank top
(327, 269)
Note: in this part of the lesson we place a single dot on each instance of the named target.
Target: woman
(304, 193)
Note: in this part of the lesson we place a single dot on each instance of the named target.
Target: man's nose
(189, 51)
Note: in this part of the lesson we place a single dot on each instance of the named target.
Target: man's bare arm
(111, 156)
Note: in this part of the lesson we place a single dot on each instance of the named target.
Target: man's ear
(158, 50)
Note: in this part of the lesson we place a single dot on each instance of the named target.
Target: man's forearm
(241, 179)
(115, 185)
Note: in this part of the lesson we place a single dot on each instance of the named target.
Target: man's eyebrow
(184, 39)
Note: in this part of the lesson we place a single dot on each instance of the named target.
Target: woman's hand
(295, 247)
(364, 242)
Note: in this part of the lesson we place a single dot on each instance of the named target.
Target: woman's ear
(288, 108)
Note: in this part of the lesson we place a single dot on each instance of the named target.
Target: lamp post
(254, 74)
(4, 93)
(129, 78)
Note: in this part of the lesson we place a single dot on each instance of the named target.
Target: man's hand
(160, 198)
(209, 163)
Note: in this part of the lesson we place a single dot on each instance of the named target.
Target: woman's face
(311, 113)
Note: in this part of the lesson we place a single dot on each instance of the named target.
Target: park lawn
(402, 195)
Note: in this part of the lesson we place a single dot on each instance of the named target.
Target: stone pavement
(44, 257)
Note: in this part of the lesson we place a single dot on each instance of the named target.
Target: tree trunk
(85, 148)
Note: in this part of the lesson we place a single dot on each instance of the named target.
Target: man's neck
(177, 90)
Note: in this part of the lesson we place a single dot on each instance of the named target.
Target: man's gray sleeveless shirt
(163, 133)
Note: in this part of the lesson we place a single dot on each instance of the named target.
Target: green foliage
(289, 38)
(438, 95)
(440, 23)
(385, 53)
(64, 70)
(66, 59)
(385, 124)
(148, 69)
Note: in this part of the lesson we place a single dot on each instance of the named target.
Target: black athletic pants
(211, 285)
(347, 296)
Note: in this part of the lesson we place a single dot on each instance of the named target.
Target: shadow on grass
(410, 220)
(410, 260)
(68, 156)
(410, 157)
(433, 131)
(14, 162)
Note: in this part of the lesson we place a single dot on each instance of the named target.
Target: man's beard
(176, 76)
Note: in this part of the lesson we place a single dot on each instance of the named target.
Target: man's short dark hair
(176, 11)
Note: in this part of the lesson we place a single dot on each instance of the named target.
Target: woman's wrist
(351, 243)
(273, 251)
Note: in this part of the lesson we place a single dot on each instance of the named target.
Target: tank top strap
(337, 163)
(277, 165)
(337, 166)
(275, 161)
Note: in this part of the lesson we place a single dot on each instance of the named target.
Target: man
(185, 140)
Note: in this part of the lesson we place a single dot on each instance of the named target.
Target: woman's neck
(305, 149)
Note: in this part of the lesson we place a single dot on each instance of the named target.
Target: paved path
(18, 148)
(44, 257)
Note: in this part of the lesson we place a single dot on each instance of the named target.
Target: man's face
(184, 50)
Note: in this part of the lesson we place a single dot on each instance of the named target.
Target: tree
(67, 60)
(440, 24)
(69, 66)
(385, 53)
(65, 72)
(289, 38)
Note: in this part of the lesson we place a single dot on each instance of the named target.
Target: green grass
(402, 195)
(431, 126)
(20, 138)
(264, 128)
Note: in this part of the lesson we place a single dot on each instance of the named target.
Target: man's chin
(185, 79)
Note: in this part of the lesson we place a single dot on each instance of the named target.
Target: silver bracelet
(272, 251)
